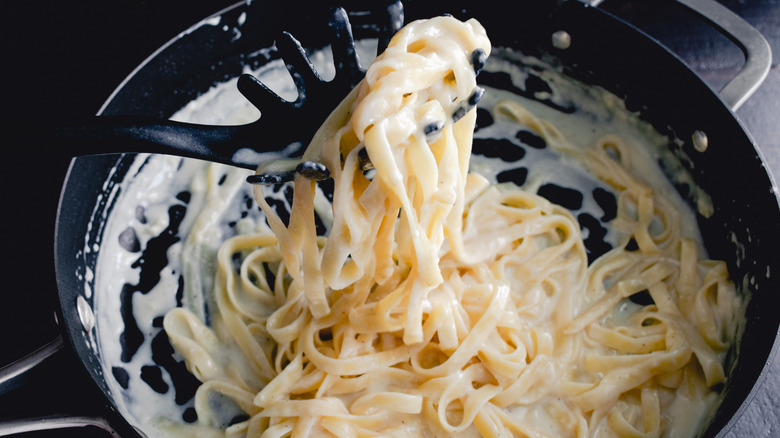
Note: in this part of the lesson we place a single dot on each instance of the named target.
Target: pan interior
(170, 215)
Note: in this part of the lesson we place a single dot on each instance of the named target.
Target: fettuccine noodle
(440, 304)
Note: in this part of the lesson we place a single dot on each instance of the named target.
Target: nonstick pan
(604, 51)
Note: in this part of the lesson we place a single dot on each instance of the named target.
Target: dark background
(63, 59)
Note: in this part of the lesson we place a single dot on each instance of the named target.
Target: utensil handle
(121, 134)
(758, 53)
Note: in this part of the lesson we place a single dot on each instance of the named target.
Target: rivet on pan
(700, 142)
(561, 40)
(86, 316)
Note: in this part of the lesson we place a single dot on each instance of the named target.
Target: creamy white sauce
(155, 181)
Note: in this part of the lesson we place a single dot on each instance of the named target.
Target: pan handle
(11, 375)
(758, 53)
(15, 427)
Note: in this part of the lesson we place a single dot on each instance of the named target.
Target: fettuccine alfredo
(441, 304)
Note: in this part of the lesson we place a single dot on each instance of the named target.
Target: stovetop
(65, 59)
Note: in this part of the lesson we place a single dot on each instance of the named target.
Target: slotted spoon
(281, 122)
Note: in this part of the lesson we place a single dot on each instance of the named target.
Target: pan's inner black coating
(150, 262)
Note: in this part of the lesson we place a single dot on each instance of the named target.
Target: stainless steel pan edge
(758, 53)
